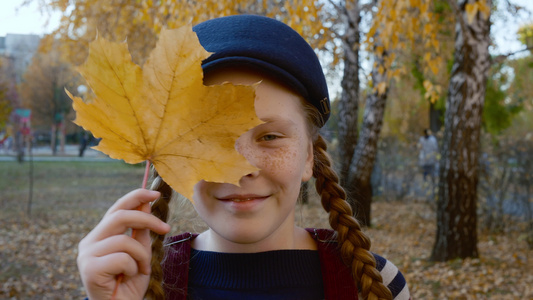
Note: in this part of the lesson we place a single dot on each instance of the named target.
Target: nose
(244, 146)
(253, 174)
(249, 177)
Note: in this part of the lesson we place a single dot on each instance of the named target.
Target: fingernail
(154, 193)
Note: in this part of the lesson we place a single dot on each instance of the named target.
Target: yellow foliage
(435, 43)
(434, 66)
(163, 113)
(382, 87)
(427, 57)
(5, 110)
(484, 8)
(139, 22)
(424, 8)
(471, 10)
(411, 26)
(381, 70)
(432, 91)
(525, 34)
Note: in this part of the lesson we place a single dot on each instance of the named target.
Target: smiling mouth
(243, 199)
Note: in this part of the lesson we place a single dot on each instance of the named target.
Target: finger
(118, 222)
(143, 235)
(146, 207)
(134, 199)
(135, 233)
(111, 265)
(144, 238)
(123, 243)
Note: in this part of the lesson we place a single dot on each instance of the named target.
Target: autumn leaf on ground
(163, 113)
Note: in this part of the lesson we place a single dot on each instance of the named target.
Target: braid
(159, 209)
(354, 244)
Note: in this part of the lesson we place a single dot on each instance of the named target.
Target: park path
(45, 154)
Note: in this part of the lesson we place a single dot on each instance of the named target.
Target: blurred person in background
(427, 156)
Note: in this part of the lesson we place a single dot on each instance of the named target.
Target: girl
(252, 249)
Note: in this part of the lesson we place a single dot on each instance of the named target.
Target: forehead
(240, 74)
(274, 100)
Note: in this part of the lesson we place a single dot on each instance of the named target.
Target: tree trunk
(366, 149)
(435, 123)
(349, 101)
(53, 139)
(458, 175)
(62, 137)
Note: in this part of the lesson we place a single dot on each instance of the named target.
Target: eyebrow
(278, 120)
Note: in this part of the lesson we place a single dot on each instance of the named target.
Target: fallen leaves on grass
(38, 259)
(39, 255)
(404, 233)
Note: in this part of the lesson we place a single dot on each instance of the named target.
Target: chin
(249, 238)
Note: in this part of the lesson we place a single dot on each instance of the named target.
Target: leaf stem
(146, 172)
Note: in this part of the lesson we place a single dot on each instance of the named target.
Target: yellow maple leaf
(163, 113)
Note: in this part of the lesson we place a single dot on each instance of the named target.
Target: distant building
(19, 49)
(2, 45)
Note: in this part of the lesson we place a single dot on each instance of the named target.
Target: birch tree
(396, 26)
(365, 151)
(458, 178)
(349, 101)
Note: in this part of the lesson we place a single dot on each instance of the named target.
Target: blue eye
(269, 137)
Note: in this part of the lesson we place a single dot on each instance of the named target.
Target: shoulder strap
(337, 277)
(176, 266)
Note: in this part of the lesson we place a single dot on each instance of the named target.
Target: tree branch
(339, 8)
(500, 58)
(352, 20)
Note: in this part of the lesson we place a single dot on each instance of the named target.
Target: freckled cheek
(246, 150)
(276, 161)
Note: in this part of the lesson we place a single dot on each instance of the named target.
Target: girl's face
(258, 215)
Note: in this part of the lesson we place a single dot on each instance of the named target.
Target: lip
(243, 203)
(242, 198)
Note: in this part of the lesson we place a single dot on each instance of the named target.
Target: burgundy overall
(338, 281)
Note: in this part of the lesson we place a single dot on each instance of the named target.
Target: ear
(309, 163)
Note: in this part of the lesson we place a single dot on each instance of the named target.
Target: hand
(107, 252)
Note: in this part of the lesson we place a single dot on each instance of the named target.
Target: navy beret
(270, 45)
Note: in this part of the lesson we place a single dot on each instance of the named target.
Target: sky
(25, 20)
(29, 20)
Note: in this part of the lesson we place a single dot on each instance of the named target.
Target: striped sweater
(392, 278)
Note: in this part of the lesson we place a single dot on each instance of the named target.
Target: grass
(65, 185)
(38, 251)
